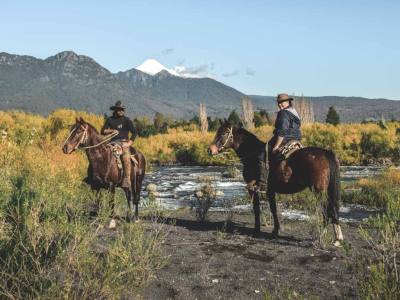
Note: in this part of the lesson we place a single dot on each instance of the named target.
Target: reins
(85, 136)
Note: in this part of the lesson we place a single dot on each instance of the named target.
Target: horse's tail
(333, 187)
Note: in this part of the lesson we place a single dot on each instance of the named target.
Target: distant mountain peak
(152, 67)
(66, 55)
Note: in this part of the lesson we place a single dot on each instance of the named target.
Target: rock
(151, 188)
(113, 224)
(219, 193)
(231, 173)
(199, 194)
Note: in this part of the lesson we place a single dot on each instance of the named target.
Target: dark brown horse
(312, 167)
(104, 172)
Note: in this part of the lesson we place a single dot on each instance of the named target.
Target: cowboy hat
(283, 97)
(117, 106)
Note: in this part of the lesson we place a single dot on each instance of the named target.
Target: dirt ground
(207, 263)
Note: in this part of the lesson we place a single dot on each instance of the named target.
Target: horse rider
(287, 124)
(119, 122)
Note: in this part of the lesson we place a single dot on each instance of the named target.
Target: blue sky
(346, 48)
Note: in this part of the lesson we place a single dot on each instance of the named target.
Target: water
(176, 186)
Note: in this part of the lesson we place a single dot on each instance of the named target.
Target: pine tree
(332, 117)
(234, 118)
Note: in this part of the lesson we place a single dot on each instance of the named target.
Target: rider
(287, 124)
(119, 122)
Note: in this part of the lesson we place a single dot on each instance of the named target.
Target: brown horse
(104, 172)
(312, 167)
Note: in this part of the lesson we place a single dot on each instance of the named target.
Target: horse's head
(223, 138)
(77, 136)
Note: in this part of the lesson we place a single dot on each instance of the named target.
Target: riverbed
(176, 186)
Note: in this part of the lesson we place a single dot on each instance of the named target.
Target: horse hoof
(112, 225)
(337, 243)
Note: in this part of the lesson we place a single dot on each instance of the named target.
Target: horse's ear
(220, 122)
(82, 120)
(240, 125)
(226, 121)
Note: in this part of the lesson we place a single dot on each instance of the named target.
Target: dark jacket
(287, 125)
(123, 124)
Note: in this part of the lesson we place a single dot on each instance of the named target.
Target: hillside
(79, 82)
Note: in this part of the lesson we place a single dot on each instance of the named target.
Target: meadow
(53, 246)
(355, 144)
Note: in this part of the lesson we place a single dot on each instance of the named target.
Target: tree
(332, 117)
(234, 118)
(213, 124)
(158, 120)
(262, 118)
(248, 113)
(305, 110)
(144, 127)
(203, 118)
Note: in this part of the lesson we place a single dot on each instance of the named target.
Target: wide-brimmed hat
(283, 97)
(117, 106)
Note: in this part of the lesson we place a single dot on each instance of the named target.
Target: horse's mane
(92, 127)
(250, 146)
(250, 137)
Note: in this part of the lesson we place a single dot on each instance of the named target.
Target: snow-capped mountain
(152, 67)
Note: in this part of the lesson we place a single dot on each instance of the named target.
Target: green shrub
(375, 144)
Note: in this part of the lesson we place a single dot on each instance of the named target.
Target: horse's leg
(333, 212)
(128, 195)
(256, 208)
(112, 201)
(137, 195)
(112, 223)
(272, 206)
(334, 198)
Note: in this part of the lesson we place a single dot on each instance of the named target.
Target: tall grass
(49, 243)
(378, 275)
(354, 143)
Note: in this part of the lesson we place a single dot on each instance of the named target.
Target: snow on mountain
(152, 67)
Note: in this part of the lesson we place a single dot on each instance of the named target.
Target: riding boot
(126, 163)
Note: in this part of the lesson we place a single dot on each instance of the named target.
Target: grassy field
(353, 143)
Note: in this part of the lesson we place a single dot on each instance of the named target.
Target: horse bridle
(230, 136)
(84, 138)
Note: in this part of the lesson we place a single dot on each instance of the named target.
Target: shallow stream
(176, 186)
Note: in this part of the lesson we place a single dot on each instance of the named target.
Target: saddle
(284, 171)
(285, 151)
(116, 149)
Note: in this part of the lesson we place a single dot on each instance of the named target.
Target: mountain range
(79, 82)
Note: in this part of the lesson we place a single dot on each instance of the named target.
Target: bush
(205, 197)
(375, 145)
